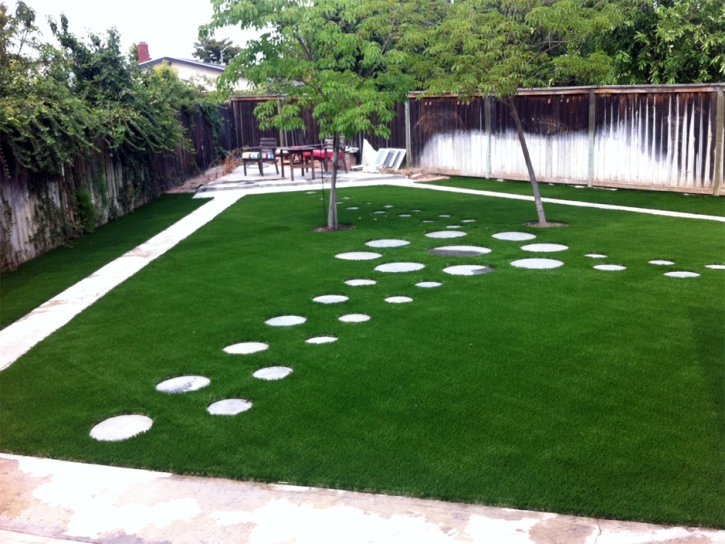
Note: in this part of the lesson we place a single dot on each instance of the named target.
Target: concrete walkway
(92, 503)
(47, 501)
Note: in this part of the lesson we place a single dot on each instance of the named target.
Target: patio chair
(325, 154)
(266, 152)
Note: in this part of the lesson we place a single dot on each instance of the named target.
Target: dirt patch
(330, 229)
(549, 225)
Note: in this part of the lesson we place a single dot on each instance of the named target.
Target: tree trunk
(332, 214)
(527, 158)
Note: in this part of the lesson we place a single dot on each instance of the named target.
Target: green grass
(568, 390)
(658, 200)
(40, 279)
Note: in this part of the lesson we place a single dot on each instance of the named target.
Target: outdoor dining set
(299, 156)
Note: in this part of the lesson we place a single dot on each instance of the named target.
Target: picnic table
(299, 156)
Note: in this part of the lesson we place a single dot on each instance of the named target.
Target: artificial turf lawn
(40, 279)
(658, 200)
(568, 390)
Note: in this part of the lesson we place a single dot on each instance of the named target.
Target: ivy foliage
(58, 104)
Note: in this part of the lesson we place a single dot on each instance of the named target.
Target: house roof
(198, 64)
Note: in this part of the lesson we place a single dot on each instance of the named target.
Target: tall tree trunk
(332, 214)
(527, 158)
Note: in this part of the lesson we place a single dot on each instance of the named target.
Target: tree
(338, 58)
(215, 51)
(494, 47)
(669, 41)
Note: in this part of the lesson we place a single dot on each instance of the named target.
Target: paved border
(76, 501)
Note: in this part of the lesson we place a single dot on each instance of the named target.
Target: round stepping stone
(454, 227)
(662, 262)
(380, 211)
(354, 318)
(310, 192)
(273, 373)
(416, 211)
(321, 340)
(444, 215)
(544, 248)
(682, 274)
(286, 320)
(387, 242)
(537, 264)
(428, 284)
(353, 208)
(245, 348)
(389, 206)
(467, 270)
(367, 203)
(183, 384)
(514, 236)
(403, 215)
(346, 198)
(715, 266)
(399, 267)
(330, 299)
(446, 234)
(428, 221)
(121, 427)
(398, 300)
(358, 283)
(468, 220)
(596, 255)
(610, 267)
(228, 407)
(459, 251)
(358, 256)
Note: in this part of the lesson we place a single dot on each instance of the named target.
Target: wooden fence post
(720, 127)
(592, 121)
(487, 110)
(408, 146)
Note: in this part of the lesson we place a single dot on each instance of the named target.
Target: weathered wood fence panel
(35, 217)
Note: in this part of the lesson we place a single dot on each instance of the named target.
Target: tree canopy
(215, 51)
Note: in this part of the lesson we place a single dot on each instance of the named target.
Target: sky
(170, 27)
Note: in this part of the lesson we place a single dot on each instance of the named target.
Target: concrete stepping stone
(454, 227)
(596, 255)
(358, 256)
(428, 284)
(389, 206)
(661, 262)
(310, 192)
(459, 251)
(380, 211)
(400, 267)
(387, 242)
(354, 318)
(360, 282)
(428, 221)
(682, 274)
(286, 321)
(468, 220)
(183, 384)
(715, 266)
(228, 407)
(273, 373)
(330, 299)
(321, 340)
(544, 248)
(246, 348)
(468, 270)
(610, 267)
(444, 215)
(537, 264)
(119, 428)
(353, 208)
(513, 236)
(346, 198)
(398, 300)
(404, 215)
(446, 234)
(416, 211)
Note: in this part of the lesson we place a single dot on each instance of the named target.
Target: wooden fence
(37, 217)
(665, 137)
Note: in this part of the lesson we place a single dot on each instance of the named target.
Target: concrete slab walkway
(92, 503)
